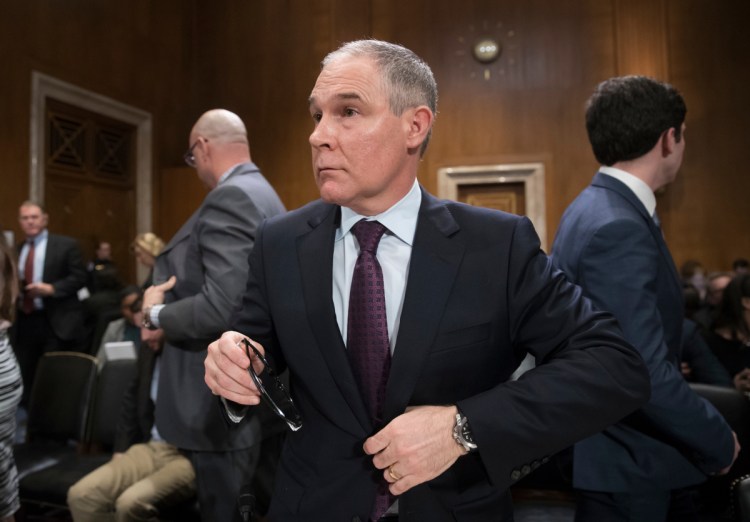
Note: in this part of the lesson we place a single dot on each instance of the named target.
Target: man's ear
(419, 121)
(668, 142)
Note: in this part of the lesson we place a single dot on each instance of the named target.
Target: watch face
(466, 433)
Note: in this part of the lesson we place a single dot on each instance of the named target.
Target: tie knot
(368, 233)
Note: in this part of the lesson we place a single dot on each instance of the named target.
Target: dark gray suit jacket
(609, 245)
(480, 295)
(209, 257)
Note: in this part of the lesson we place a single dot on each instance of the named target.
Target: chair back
(734, 406)
(112, 383)
(61, 397)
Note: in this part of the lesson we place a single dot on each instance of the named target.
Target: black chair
(48, 487)
(45, 491)
(58, 412)
(741, 499)
(720, 493)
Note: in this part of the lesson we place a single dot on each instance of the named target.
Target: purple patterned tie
(367, 334)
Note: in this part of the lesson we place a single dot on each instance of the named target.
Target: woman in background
(729, 337)
(11, 386)
(146, 247)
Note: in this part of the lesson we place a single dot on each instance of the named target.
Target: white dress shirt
(394, 254)
(40, 254)
(639, 187)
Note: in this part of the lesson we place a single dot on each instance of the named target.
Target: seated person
(125, 328)
(716, 283)
(102, 262)
(729, 337)
(146, 474)
(699, 364)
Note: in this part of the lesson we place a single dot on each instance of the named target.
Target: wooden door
(508, 197)
(89, 181)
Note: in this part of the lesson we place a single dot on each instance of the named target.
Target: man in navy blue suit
(467, 294)
(610, 243)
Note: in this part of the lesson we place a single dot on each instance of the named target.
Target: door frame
(43, 87)
(531, 174)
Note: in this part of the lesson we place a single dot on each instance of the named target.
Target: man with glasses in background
(199, 278)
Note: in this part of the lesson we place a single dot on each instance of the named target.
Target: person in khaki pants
(146, 474)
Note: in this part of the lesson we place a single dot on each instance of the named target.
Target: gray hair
(408, 80)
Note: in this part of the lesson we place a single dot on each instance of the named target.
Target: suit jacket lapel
(161, 268)
(315, 255)
(435, 257)
(50, 259)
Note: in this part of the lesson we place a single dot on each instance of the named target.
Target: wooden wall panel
(137, 52)
(709, 62)
(177, 59)
(527, 106)
(641, 37)
(182, 194)
(264, 68)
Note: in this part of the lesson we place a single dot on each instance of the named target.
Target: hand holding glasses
(272, 390)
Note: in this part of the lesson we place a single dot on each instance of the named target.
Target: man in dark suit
(52, 272)
(200, 276)
(146, 474)
(467, 295)
(609, 242)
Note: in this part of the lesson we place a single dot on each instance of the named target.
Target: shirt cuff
(154, 315)
(235, 412)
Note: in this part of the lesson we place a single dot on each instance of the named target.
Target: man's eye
(349, 112)
(317, 117)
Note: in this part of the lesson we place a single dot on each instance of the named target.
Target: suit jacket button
(535, 464)
(526, 470)
(515, 475)
(545, 460)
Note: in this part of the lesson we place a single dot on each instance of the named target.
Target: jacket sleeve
(226, 230)
(587, 376)
(622, 255)
(72, 277)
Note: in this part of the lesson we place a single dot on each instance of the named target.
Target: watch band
(462, 433)
(146, 320)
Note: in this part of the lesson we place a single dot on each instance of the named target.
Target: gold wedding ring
(393, 475)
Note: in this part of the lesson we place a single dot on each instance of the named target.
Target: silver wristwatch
(146, 319)
(462, 433)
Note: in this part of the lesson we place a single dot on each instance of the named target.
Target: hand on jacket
(155, 294)
(415, 447)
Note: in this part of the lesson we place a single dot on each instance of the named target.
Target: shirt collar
(400, 219)
(39, 237)
(642, 191)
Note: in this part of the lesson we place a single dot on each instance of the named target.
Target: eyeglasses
(275, 394)
(189, 157)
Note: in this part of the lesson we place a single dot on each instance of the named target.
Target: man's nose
(322, 135)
